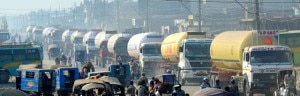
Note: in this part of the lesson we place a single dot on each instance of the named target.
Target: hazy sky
(14, 7)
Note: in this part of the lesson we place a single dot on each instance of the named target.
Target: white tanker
(37, 33)
(79, 52)
(101, 40)
(117, 46)
(145, 47)
(89, 44)
(66, 38)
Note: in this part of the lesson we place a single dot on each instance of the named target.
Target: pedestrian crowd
(232, 88)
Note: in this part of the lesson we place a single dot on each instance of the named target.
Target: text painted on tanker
(268, 33)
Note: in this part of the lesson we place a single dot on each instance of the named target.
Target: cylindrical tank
(67, 35)
(89, 37)
(103, 36)
(29, 30)
(77, 36)
(135, 42)
(37, 33)
(227, 48)
(118, 43)
(170, 45)
(47, 31)
(56, 34)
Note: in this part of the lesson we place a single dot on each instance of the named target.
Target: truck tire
(4, 76)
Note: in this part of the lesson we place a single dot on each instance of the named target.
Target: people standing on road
(205, 83)
(86, 68)
(145, 79)
(120, 71)
(131, 89)
(57, 60)
(63, 59)
(141, 89)
(69, 61)
(178, 91)
(227, 89)
(234, 89)
(217, 84)
(168, 71)
(289, 82)
(133, 69)
(151, 86)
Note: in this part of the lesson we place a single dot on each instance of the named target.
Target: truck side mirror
(141, 50)
(180, 49)
(247, 57)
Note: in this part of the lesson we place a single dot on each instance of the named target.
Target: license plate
(272, 89)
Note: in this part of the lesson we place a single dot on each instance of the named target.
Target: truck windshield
(103, 47)
(78, 41)
(151, 51)
(121, 47)
(197, 49)
(91, 42)
(271, 57)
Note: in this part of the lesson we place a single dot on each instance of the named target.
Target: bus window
(5, 58)
(19, 57)
(32, 57)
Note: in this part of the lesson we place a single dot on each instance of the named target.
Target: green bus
(12, 55)
(291, 39)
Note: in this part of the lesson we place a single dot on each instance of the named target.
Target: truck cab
(261, 63)
(194, 60)
(37, 81)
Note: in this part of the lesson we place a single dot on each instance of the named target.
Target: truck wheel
(4, 76)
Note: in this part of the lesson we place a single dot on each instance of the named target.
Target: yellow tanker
(170, 45)
(226, 49)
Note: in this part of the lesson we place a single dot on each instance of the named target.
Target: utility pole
(199, 16)
(147, 13)
(118, 13)
(257, 15)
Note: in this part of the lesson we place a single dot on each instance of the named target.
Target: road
(188, 88)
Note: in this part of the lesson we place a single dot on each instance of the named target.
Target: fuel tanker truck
(101, 40)
(187, 53)
(250, 58)
(145, 49)
(79, 51)
(29, 32)
(37, 33)
(67, 44)
(117, 46)
(89, 44)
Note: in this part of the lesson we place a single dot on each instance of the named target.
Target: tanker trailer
(29, 33)
(188, 54)
(101, 40)
(55, 37)
(79, 52)
(145, 49)
(250, 58)
(67, 44)
(37, 33)
(117, 46)
(89, 44)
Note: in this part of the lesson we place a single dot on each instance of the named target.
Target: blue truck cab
(36, 81)
(65, 78)
(114, 72)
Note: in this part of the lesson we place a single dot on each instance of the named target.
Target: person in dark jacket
(217, 85)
